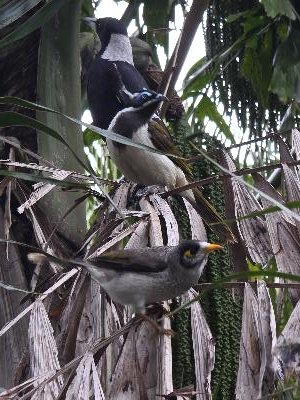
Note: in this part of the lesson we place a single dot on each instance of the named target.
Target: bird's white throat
(118, 49)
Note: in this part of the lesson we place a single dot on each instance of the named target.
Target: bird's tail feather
(211, 216)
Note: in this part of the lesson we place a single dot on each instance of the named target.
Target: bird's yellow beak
(212, 247)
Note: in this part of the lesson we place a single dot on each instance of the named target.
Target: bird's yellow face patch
(188, 253)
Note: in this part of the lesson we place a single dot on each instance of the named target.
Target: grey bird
(138, 277)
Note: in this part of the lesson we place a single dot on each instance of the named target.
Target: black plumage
(104, 81)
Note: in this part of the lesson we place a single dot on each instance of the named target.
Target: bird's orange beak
(212, 247)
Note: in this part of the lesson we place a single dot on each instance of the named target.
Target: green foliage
(41, 17)
(256, 65)
(14, 10)
(241, 42)
(156, 16)
(98, 131)
(196, 80)
(183, 362)
(207, 108)
(286, 76)
(183, 371)
(279, 7)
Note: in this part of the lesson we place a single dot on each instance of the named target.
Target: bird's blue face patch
(142, 97)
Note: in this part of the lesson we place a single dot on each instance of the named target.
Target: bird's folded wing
(142, 260)
(162, 140)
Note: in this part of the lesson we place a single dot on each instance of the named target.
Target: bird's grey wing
(149, 260)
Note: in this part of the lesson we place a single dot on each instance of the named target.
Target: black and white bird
(120, 100)
(138, 123)
(103, 79)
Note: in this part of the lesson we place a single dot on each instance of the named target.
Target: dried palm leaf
(162, 207)
(116, 239)
(267, 338)
(65, 277)
(283, 235)
(284, 152)
(287, 350)
(127, 380)
(53, 171)
(155, 231)
(204, 348)
(253, 231)
(12, 273)
(296, 144)
(43, 351)
(16, 391)
(292, 188)
(70, 330)
(198, 230)
(247, 386)
(86, 381)
(108, 224)
(139, 237)
(148, 352)
(164, 358)
(42, 189)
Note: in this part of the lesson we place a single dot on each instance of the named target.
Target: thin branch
(130, 12)
(174, 66)
(16, 144)
(217, 177)
(258, 139)
(231, 285)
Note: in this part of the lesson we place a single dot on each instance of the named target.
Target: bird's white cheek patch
(118, 49)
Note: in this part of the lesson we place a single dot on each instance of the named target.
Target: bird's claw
(146, 191)
(167, 332)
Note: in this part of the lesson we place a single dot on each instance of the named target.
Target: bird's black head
(105, 27)
(138, 110)
(139, 99)
(193, 253)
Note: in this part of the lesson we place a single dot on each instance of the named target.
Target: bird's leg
(158, 308)
(156, 326)
(140, 313)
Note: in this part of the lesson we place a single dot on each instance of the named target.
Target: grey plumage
(141, 276)
(138, 277)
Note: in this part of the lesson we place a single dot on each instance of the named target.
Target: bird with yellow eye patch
(138, 277)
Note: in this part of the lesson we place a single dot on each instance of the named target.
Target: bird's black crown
(107, 26)
(138, 99)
